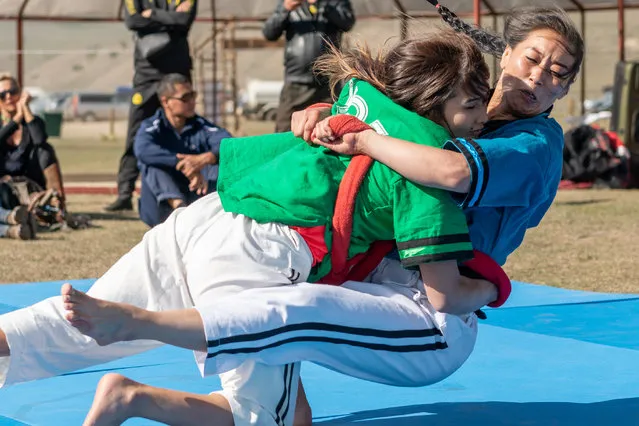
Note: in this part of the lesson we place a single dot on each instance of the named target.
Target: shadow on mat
(619, 412)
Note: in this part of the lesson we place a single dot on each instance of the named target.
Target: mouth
(529, 96)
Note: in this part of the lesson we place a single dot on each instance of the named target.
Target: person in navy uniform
(177, 152)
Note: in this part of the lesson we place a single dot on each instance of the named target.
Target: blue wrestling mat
(549, 357)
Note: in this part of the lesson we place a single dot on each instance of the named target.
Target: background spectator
(161, 30)
(177, 152)
(24, 150)
(309, 26)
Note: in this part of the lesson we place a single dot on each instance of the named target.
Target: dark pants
(139, 111)
(296, 97)
(160, 185)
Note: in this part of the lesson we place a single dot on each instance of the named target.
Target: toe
(66, 290)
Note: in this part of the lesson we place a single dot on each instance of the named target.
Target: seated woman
(24, 150)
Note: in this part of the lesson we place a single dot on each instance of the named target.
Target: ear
(505, 57)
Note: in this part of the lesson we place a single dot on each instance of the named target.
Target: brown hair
(9, 78)
(419, 74)
(518, 25)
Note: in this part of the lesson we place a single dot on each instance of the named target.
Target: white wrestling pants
(203, 255)
(385, 332)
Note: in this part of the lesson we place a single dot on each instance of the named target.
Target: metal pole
(583, 65)
(621, 34)
(477, 12)
(236, 117)
(200, 63)
(20, 43)
(214, 89)
(224, 76)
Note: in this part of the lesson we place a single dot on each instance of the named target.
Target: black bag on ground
(590, 157)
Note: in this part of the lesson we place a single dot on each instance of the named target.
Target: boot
(18, 216)
(53, 176)
(20, 232)
(120, 204)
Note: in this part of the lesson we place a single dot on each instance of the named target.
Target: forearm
(209, 158)
(171, 18)
(27, 114)
(466, 297)
(36, 129)
(425, 165)
(274, 26)
(341, 16)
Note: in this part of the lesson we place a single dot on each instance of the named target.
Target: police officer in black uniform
(309, 26)
(161, 29)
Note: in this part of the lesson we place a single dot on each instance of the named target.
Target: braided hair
(487, 42)
(518, 25)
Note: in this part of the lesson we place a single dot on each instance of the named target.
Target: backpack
(45, 204)
(590, 155)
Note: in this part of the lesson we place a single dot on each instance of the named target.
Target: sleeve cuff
(478, 165)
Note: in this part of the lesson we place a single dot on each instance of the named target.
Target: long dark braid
(517, 27)
(487, 42)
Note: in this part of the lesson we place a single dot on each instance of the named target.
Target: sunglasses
(11, 92)
(187, 97)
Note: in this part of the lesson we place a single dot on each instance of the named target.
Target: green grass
(587, 241)
(88, 156)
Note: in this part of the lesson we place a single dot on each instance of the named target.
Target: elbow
(458, 177)
(446, 303)
(270, 35)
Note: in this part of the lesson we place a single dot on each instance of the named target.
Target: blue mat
(549, 357)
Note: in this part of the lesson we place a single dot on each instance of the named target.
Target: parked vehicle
(97, 106)
(261, 99)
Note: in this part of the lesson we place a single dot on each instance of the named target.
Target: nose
(536, 75)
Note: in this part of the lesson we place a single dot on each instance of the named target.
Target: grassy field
(587, 241)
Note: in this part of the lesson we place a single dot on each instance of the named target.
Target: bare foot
(106, 322)
(112, 402)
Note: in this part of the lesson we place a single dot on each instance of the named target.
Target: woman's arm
(36, 129)
(452, 293)
(425, 165)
